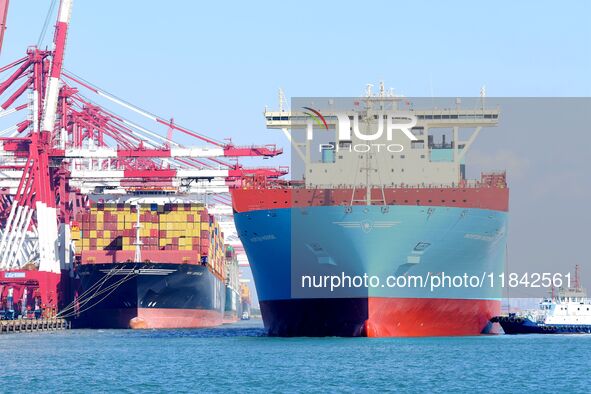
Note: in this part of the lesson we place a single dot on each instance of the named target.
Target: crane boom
(3, 15)
(59, 40)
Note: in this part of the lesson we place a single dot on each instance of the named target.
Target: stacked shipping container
(111, 227)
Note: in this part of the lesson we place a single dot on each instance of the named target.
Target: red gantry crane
(69, 147)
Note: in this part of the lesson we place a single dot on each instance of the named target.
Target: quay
(33, 325)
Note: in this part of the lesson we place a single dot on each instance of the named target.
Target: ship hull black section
(149, 295)
(518, 325)
(344, 317)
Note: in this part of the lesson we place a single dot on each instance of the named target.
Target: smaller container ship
(233, 308)
(245, 301)
(149, 263)
(567, 312)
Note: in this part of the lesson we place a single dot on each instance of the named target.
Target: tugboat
(567, 312)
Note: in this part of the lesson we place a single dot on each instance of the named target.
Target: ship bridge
(426, 118)
(431, 153)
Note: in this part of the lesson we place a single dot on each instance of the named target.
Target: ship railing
(462, 185)
(496, 179)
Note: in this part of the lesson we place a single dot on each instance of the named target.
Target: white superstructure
(570, 306)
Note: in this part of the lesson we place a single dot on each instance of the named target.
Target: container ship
(149, 263)
(245, 301)
(405, 211)
(233, 307)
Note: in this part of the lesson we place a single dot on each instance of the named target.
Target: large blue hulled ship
(382, 214)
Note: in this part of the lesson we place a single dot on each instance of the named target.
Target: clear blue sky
(215, 65)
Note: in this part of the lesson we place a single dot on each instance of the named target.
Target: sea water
(239, 357)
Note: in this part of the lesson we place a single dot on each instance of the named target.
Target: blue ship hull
(285, 244)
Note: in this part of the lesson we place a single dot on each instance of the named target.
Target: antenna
(577, 276)
(482, 95)
(169, 133)
(281, 99)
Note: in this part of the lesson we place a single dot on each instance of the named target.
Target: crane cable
(94, 287)
(110, 289)
(103, 92)
(46, 23)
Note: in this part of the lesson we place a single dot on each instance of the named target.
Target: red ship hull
(175, 318)
(483, 197)
(379, 317)
(421, 317)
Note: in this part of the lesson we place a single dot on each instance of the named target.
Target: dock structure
(33, 325)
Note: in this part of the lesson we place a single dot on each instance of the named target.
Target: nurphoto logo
(387, 122)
